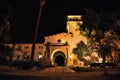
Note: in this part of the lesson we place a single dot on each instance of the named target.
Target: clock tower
(73, 23)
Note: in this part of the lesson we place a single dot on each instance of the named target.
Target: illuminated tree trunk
(104, 58)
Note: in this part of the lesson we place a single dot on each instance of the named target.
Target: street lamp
(42, 2)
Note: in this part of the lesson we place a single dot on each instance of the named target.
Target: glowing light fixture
(40, 56)
(71, 56)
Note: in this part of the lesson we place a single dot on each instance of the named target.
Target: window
(75, 62)
(18, 47)
(26, 47)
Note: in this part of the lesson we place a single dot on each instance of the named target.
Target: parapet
(74, 18)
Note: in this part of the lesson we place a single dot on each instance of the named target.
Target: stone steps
(58, 69)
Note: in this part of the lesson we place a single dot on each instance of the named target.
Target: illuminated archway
(58, 57)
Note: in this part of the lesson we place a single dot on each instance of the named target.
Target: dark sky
(23, 15)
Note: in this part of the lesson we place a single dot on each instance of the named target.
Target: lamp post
(42, 2)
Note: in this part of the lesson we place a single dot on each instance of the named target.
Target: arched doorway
(59, 58)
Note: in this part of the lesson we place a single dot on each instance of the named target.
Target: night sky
(23, 15)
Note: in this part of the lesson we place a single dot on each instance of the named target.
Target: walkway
(57, 73)
(58, 69)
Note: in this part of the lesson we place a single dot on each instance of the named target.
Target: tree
(5, 30)
(5, 53)
(42, 2)
(81, 50)
(100, 23)
(112, 39)
(91, 21)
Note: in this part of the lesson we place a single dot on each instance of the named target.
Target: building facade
(58, 48)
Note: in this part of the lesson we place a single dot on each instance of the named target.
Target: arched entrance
(59, 58)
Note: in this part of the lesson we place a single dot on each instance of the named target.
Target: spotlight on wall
(71, 56)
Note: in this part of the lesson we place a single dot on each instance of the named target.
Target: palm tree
(5, 37)
(42, 2)
(5, 30)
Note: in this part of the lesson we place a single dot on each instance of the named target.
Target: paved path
(38, 75)
(57, 73)
(58, 69)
